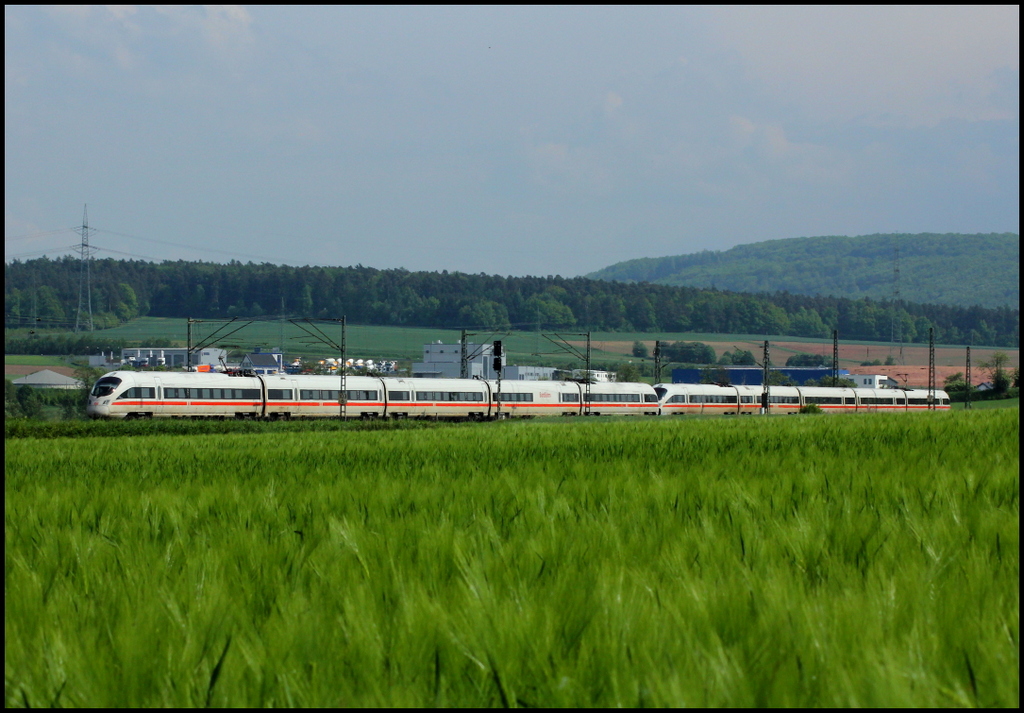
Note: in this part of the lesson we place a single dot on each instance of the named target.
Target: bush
(811, 408)
(806, 360)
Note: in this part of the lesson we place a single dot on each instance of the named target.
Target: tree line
(46, 292)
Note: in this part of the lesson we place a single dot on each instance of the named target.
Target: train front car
(107, 389)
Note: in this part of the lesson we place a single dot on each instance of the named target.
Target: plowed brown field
(913, 371)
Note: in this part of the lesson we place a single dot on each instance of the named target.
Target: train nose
(98, 408)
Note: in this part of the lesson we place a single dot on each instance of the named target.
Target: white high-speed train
(150, 394)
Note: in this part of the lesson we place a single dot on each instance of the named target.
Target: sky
(501, 140)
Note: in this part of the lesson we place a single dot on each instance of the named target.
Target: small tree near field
(627, 372)
(996, 367)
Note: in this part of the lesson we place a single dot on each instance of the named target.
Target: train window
(945, 402)
(823, 400)
(138, 392)
(746, 399)
(361, 395)
(917, 402)
(785, 399)
(105, 386)
(514, 398)
(569, 398)
(247, 394)
(430, 396)
(660, 392)
(900, 402)
(465, 396)
(398, 395)
(650, 399)
(613, 398)
(314, 394)
(678, 399)
(851, 401)
(175, 393)
(279, 394)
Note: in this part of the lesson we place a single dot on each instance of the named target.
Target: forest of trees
(46, 292)
(987, 268)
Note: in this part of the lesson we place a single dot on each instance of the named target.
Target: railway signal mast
(657, 362)
(496, 364)
(967, 391)
(765, 375)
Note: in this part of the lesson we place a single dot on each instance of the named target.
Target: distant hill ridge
(955, 269)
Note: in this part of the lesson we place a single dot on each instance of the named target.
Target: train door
(734, 393)
(157, 406)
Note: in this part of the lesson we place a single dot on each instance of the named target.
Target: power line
(191, 247)
(65, 248)
(41, 233)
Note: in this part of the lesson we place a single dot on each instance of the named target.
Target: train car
(917, 400)
(621, 398)
(537, 398)
(784, 399)
(829, 399)
(882, 400)
(704, 399)
(293, 396)
(439, 398)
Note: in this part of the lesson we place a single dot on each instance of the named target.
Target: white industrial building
(529, 373)
(171, 356)
(872, 381)
(596, 377)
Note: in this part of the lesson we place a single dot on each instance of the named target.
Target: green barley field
(788, 561)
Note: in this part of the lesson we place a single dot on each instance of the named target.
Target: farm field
(33, 360)
(523, 346)
(800, 561)
(994, 404)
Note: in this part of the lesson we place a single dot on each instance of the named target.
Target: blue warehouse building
(752, 375)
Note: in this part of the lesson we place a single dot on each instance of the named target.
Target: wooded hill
(48, 291)
(954, 269)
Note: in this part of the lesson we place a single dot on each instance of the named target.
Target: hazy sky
(502, 140)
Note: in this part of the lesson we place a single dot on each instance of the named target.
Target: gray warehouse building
(443, 361)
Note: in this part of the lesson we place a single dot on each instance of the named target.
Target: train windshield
(105, 386)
